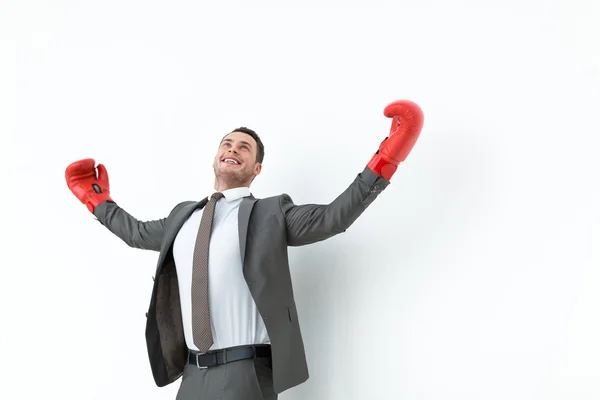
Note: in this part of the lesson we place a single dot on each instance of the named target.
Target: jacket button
(146, 315)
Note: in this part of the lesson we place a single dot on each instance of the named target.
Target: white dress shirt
(235, 320)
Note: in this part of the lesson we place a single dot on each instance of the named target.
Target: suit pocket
(292, 312)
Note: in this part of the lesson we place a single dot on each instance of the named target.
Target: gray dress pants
(250, 379)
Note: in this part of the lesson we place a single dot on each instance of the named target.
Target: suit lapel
(178, 221)
(243, 221)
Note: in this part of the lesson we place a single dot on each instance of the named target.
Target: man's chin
(229, 174)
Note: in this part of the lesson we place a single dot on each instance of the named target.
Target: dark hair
(260, 153)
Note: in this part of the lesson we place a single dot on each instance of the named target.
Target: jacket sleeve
(310, 223)
(146, 235)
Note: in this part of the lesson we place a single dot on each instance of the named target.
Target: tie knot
(217, 195)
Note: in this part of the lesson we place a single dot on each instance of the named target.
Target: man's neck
(220, 186)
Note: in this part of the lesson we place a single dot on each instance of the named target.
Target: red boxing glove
(407, 122)
(90, 189)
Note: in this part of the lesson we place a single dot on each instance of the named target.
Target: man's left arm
(310, 223)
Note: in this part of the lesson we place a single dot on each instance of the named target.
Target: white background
(475, 275)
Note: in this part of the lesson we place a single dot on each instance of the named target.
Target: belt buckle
(198, 364)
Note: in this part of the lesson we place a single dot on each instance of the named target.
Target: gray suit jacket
(266, 228)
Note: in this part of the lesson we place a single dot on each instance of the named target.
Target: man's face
(235, 161)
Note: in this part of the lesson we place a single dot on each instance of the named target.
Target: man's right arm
(146, 235)
(90, 184)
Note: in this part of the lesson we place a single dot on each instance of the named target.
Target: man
(222, 312)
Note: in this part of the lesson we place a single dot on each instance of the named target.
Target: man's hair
(260, 151)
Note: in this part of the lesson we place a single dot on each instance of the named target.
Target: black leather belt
(224, 356)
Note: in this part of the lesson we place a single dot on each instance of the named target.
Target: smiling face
(235, 163)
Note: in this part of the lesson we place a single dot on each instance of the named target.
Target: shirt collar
(234, 194)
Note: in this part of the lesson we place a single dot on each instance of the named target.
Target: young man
(222, 312)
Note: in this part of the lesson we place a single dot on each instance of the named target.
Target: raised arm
(311, 223)
(146, 235)
(93, 190)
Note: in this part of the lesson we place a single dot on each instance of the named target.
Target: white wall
(473, 276)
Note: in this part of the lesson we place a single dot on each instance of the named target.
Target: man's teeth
(230, 161)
